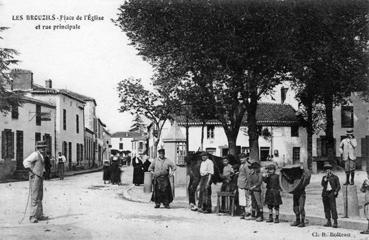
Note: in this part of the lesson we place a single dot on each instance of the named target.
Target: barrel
(148, 182)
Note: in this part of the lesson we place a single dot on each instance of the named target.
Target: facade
(20, 129)
(354, 115)
(281, 135)
(122, 141)
(89, 147)
(107, 144)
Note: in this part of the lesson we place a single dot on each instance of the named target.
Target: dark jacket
(335, 185)
(255, 181)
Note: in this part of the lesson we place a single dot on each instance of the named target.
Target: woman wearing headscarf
(138, 170)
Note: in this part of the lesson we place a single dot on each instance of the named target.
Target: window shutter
(11, 145)
(3, 144)
(319, 147)
(364, 150)
(334, 147)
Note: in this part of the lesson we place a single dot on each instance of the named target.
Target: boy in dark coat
(272, 196)
(255, 181)
(331, 187)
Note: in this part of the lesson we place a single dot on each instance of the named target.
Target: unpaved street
(82, 207)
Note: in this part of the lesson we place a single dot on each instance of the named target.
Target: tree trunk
(232, 147)
(328, 102)
(309, 129)
(253, 131)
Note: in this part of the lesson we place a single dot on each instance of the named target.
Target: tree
(138, 124)
(8, 99)
(156, 106)
(235, 51)
(330, 57)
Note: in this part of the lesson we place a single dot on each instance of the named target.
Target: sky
(90, 60)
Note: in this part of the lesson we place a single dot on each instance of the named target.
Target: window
(15, 112)
(347, 116)
(7, 144)
(283, 94)
(264, 153)
(140, 146)
(294, 131)
(296, 154)
(64, 119)
(77, 123)
(121, 146)
(120, 139)
(38, 115)
(37, 137)
(210, 131)
(181, 153)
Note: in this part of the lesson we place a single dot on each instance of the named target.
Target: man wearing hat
(160, 168)
(244, 198)
(331, 187)
(35, 164)
(347, 149)
(206, 173)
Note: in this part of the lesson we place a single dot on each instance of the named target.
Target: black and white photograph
(184, 119)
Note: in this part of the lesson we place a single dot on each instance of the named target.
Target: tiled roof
(267, 114)
(37, 89)
(126, 135)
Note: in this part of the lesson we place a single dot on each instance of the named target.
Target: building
(122, 141)
(107, 144)
(20, 129)
(353, 115)
(281, 134)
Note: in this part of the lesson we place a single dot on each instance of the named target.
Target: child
(106, 171)
(272, 196)
(226, 185)
(256, 180)
(243, 193)
(331, 187)
(365, 189)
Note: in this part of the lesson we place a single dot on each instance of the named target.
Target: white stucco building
(20, 129)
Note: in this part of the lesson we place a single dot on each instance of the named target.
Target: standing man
(160, 168)
(331, 187)
(61, 162)
(206, 172)
(347, 149)
(35, 164)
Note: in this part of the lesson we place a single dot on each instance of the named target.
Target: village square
(185, 119)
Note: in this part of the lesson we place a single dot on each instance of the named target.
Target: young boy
(331, 187)
(272, 196)
(243, 193)
(256, 180)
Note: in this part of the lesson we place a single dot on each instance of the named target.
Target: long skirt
(106, 173)
(138, 175)
(205, 194)
(162, 191)
(115, 173)
(273, 198)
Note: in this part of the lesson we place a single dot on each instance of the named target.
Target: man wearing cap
(244, 198)
(35, 164)
(160, 168)
(331, 187)
(206, 172)
(347, 149)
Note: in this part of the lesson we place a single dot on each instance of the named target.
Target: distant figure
(138, 170)
(106, 171)
(47, 165)
(347, 148)
(146, 163)
(206, 172)
(331, 187)
(226, 177)
(115, 170)
(61, 162)
(272, 195)
(35, 164)
(162, 190)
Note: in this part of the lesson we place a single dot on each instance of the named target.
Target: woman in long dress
(138, 170)
(115, 170)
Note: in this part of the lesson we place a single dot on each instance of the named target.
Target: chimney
(22, 79)
(49, 83)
